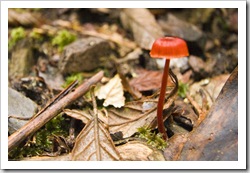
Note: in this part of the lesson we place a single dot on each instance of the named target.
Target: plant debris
(56, 55)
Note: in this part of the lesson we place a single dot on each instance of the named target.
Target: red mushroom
(168, 48)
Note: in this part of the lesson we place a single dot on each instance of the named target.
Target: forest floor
(87, 76)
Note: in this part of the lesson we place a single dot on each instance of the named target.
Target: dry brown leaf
(25, 18)
(211, 87)
(148, 80)
(79, 115)
(126, 86)
(112, 92)
(134, 115)
(143, 26)
(139, 151)
(139, 113)
(84, 115)
(115, 37)
(94, 144)
(65, 157)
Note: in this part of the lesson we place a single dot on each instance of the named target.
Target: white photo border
(240, 164)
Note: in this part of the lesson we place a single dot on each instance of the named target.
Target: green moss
(73, 77)
(35, 35)
(62, 39)
(182, 89)
(16, 35)
(43, 139)
(153, 139)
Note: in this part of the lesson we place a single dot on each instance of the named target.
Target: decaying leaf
(126, 86)
(85, 118)
(140, 113)
(139, 151)
(134, 115)
(25, 18)
(84, 115)
(143, 26)
(112, 92)
(94, 142)
(147, 80)
(211, 86)
(65, 157)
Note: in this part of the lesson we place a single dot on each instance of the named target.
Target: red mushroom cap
(169, 47)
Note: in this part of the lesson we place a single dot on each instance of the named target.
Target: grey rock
(19, 106)
(177, 27)
(21, 60)
(84, 55)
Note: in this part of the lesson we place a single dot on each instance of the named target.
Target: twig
(203, 113)
(58, 97)
(194, 103)
(200, 110)
(34, 124)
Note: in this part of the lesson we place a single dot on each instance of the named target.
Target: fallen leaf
(134, 55)
(65, 157)
(79, 115)
(148, 80)
(23, 18)
(94, 143)
(134, 115)
(211, 86)
(139, 151)
(143, 26)
(112, 92)
(126, 86)
(139, 113)
(84, 115)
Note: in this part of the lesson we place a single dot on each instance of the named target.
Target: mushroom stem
(161, 101)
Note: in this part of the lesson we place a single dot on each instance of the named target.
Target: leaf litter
(112, 92)
(94, 141)
(127, 117)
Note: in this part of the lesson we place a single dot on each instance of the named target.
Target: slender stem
(161, 100)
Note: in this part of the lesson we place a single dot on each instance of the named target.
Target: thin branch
(36, 123)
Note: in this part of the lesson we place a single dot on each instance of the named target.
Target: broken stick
(36, 123)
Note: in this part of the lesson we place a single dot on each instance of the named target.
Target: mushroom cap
(169, 47)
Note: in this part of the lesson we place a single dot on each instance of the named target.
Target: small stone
(19, 106)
